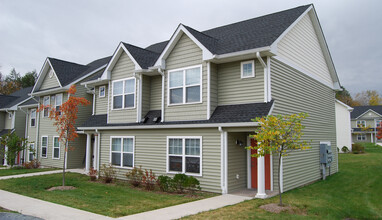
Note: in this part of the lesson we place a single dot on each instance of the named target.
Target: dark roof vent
(144, 120)
(156, 119)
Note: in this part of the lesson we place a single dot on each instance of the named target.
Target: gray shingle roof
(144, 58)
(359, 110)
(14, 98)
(222, 114)
(30, 102)
(4, 131)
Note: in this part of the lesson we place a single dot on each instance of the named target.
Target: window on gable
(58, 103)
(56, 148)
(44, 146)
(184, 155)
(361, 124)
(33, 118)
(185, 85)
(122, 151)
(102, 91)
(124, 94)
(247, 69)
(46, 103)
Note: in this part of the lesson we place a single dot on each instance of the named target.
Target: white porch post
(261, 178)
(371, 138)
(88, 155)
(96, 151)
(5, 156)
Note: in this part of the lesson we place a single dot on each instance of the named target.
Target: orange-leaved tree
(379, 128)
(65, 117)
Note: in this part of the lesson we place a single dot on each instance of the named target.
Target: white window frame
(43, 113)
(121, 152)
(361, 137)
(29, 152)
(377, 122)
(99, 91)
(184, 155)
(242, 69)
(184, 86)
(55, 101)
(59, 148)
(364, 122)
(30, 120)
(123, 93)
(47, 144)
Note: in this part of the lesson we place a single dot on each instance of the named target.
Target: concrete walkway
(47, 210)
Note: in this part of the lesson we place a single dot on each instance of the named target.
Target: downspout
(265, 76)
(162, 111)
(223, 160)
(138, 76)
(93, 93)
(26, 133)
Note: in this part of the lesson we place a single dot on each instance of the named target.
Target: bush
(108, 173)
(192, 184)
(149, 180)
(180, 182)
(358, 148)
(134, 176)
(164, 183)
(34, 164)
(93, 174)
(345, 149)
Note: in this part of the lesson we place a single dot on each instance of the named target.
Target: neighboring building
(343, 125)
(51, 88)
(364, 122)
(30, 108)
(12, 119)
(185, 105)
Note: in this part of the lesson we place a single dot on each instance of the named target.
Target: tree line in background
(368, 97)
(14, 81)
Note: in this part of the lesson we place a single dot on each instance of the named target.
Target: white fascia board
(28, 106)
(271, 110)
(50, 91)
(214, 125)
(207, 55)
(369, 110)
(118, 52)
(87, 75)
(43, 72)
(346, 106)
(242, 53)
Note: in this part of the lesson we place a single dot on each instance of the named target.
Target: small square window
(102, 91)
(247, 69)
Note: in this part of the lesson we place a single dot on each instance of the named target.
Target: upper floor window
(124, 93)
(31, 152)
(46, 103)
(102, 91)
(361, 124)
(248, 69)
(58, 103)
(378, 123)
(185, 85)
(33, 118)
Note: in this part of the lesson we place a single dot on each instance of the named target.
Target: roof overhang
(43, 72)
(242, 55)
(50, 91)
(350, 109)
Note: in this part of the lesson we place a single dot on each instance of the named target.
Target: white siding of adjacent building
(343, 126)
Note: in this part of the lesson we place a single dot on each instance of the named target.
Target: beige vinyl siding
(20, 123)
(101, 102)
(76, 156)
(237, 162)
(369, 122)
(370, 115)
(84, 112)
(8, 121)
(301, 45)
(124, 68)
(49, 82)
(146, 85)
(2, 120)
(185, 54)
(368, 138)
(31, 131)
(304, 94)
(233, 89)
(213, 87)
(156, 93)
(151, 151)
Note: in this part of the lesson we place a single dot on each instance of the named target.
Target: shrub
(180, 181)
(149, 180)
(108, 173)
(164, 183)
(192, 184)
(358, 148)
(134, 176)
(34, 164)
(345, 149)
(93, 174)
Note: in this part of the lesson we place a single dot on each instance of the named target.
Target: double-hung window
(44, 146)
(361, 124)
(248, 69)
(378, 123)
(185, 85)
(46, 103)
(31, 152)
(361, 137)
(101, 91)
(56, 148)
(122, 152)
(33, 118)
(184, 155)
(124, 93)
(58, 103)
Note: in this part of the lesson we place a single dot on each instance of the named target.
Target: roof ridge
(65, 61)
(200, 32)
(139, 47)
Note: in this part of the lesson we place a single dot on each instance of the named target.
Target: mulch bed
(275, 208)
(62, 188)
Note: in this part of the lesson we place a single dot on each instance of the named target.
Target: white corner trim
(208, 90)
(269, 79)
(346, 106)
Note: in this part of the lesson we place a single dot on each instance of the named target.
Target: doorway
(253, 168)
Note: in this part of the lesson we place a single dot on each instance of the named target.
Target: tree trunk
(63, 170)
(281, 201)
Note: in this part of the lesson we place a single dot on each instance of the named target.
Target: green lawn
(355, 192)
(5, 210)
(16, 171)
(112, 200)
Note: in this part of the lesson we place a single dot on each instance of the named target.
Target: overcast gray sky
(81, 31)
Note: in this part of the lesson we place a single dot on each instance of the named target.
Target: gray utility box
(326, 155)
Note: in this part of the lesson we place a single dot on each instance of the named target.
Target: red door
(267, 161)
